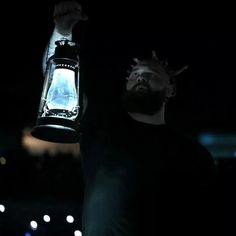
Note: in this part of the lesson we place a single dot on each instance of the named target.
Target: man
(141, 177)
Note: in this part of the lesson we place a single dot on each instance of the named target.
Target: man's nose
(141, 79)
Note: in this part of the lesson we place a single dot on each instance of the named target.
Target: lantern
(59, 109)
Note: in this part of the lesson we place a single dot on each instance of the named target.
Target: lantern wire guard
(59, 109)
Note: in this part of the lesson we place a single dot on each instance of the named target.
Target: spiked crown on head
(156, 62)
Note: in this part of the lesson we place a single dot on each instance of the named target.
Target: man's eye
(135, 74)
(147, 74)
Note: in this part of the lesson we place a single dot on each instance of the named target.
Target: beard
(145, 101)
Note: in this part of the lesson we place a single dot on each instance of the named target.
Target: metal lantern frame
(59, 109)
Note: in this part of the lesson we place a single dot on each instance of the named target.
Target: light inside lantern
(62, 98)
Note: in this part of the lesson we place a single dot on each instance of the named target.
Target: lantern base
(55, 131)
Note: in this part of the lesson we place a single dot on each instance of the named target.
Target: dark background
(200, 36)
(195, 34)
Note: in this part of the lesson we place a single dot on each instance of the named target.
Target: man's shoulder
(189, 145)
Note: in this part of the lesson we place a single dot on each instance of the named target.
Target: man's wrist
(63, 33)
(57, 35)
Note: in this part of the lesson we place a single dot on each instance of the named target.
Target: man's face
(156, 78)
(145, 89)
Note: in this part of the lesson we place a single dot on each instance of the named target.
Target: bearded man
(141, 176)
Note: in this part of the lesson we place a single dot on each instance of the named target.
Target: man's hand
(66, 15)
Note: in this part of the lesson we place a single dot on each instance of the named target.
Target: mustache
(142, 84)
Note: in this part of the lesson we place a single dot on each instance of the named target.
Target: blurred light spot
(46, 218)
(34, 224)
(2, 208)
(206, 139)
(27, 234)
(37, 147)
(70, 219)
(77, 233)
(3, 160)
(219, 144)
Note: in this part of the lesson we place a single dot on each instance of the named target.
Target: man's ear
(171, 90)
